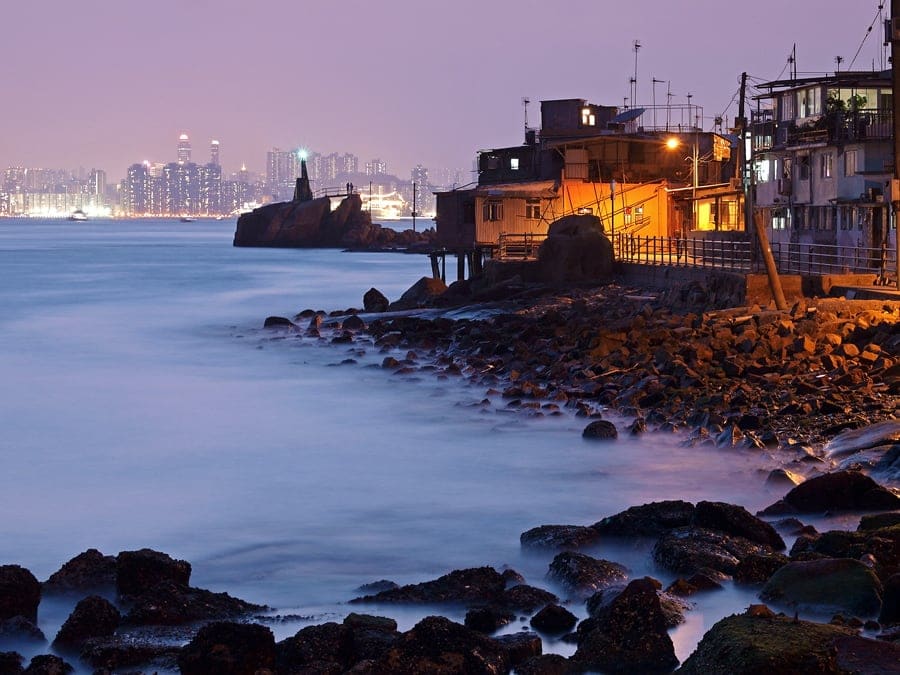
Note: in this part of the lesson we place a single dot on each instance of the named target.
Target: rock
(20, 593)
(878, 521)
(328, 644)
(47, 665)
(10, 663)
(747, 645)
(554, 619)
(116, 653)
(575, 250)
(558, 537)
(438, 645)
(647, 520)
(354, 324)
(758, 568)
(890, 601)
(278, 322)
(850, 441)
(139, 571)
(92, 617)
(628, 635)
(831, 584)
(20, 629)
(370, 636)
(888, 467)
(526, 598)
(228, 649)
(171, 604)
(547, 664)
(841, 491)
(377, 586)
(480, 584)
(519, 647)
(488, 619)
(736, 520)
(375, 301)
(686, 550)
(583, 575)
(86, 572)
(600, 430)
(420, 294)
(782, 478)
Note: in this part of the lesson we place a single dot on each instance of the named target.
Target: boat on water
(187, 219)
(78, 214)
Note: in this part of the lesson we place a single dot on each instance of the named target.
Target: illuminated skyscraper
(214, 153)
(282, 169)
(184, 149)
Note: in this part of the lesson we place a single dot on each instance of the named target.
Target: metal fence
(829, 259)
(729, 254)
(519, 246)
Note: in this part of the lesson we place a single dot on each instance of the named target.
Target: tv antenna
(637, 45)
(525, 102)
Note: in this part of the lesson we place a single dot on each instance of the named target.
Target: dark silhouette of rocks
(47, 664)
(559, 537)
(840, 491)
(93, 617)
(830, 584)
(88, 571)
(375, 301)
(647, 520)
(20, 593)
(171, 604)
(554, 619)
(583, 575)
(575, 251)
(228, 649)
(139, 571)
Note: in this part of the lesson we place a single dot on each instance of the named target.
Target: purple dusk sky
(106, 83)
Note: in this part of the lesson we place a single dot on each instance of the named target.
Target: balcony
(836, 127)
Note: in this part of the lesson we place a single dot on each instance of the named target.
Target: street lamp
(674, 142)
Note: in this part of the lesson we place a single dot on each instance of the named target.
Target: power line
(868, 33)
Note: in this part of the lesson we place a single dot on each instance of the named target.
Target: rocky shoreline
(815, 388)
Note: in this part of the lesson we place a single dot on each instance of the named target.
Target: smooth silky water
(143, 405)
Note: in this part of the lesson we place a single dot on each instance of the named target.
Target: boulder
(553, 619)
(850, 441)
(284, 224)
(890, 601)
(488, 619)
(228, 649)
(840, 491)
(600, 430)
(687, 550)
(547, 664)
(420, 294)
(120, 652)
(46, 664)
(375, 301)
(583, 575)
(747, 645)
(328, 644)
(139, 571)
(10, 663)
(883, 545)
(629, 635)
(647, 520)
(519, 647)
(438, 645)
(20, 593)
(826, 585)
(557, 537)
(575, 250)
(474, 585)
(92, 617)
(758, 568)
(370, 636)
(736, 520)
(20, 629)
(86, 572)
(171, 604)
(279, 322)
(525, 598)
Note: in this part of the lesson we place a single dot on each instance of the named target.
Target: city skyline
(397, 81)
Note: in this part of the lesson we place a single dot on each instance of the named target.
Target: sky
(107, 83)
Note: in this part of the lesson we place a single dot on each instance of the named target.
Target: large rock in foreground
(830, 584)
(575, 250)
(20, 593)
(745, 644)
(840, 491)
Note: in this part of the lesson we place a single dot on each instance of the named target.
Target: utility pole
(895, 82)
(414, 206)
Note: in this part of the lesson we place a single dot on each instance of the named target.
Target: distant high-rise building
(282, 169)
(97, 182)
(376, 168)
(184, 149)
(214, 153)
(136, 197)
(419, 175)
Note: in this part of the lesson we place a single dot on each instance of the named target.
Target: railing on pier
(519, 246)
(802, 258)
(728, 254)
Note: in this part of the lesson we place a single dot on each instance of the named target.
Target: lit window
(850, 166)
(584, 210)
(827, 165)
(587, 118)
(514, 163)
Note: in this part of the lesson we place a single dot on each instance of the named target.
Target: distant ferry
(78, 214)
(187, 219)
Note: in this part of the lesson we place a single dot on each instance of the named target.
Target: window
(763, 170)
(532, 209)
(584, 210)
(780, 219)
(827, 165)
(803, 167)
(514, 163)
(492, 211)
(850, 166)
(587, 118)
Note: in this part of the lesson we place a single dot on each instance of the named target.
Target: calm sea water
(143, 406)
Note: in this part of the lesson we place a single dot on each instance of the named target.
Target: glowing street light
(674, 142)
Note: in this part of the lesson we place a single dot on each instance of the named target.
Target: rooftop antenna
(637, 46)
(838, 60)
(792, 62)
(525, 102)
(689, 97)
(669, 96)
(655, 82)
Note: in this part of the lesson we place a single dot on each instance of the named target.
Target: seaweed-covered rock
(600, 430)
(690, 549)
(882, 546)
(327, 643)
(559, 537)
(829, 584)
(647, 520)
(839, 491)
(89, 571)
(519, 647)
(370, 636)
(736, 520)
(554, 619)
(583, 575)
(228, 649)
(629, 635)
(479, 584)
(139, 571)
(171, 604)
(757, 568)
(747, 645)
(526, 598)
(92, 617)
(20, 593)
(438, 645)
(878, 521)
